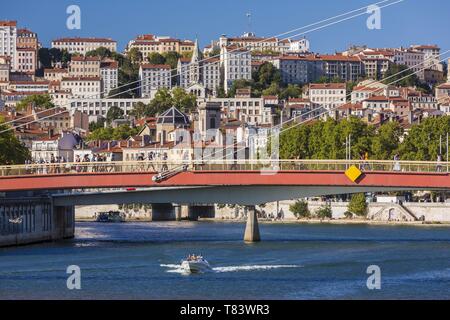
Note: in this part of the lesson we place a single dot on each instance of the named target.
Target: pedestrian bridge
(220, 181)
(163, 184)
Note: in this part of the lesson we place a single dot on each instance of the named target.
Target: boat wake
(176, 268)
(253, 267)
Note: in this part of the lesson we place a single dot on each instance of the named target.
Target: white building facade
(100, 107)
(84, 45)
(328, 95)
(154, 77)
(236, 64)
(83, 87)
(8, 41)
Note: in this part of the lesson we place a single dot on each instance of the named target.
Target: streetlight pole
(350, 147)
(447, 152)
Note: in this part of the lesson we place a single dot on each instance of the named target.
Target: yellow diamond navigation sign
(353, 173)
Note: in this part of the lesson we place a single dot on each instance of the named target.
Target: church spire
(196, 53)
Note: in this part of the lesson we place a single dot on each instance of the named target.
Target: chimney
(109, 145)
(128, 143)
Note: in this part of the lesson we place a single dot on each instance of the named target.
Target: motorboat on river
(195, 264)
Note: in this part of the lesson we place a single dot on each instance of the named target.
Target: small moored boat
(110, 216)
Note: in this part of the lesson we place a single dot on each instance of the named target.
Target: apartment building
(149, 43)
(376, 62)
(8, 41)
(26, 60)
(29, 86)
(236, 64)
(328, 95)
(55, 74)
(100, 107)
(250, 41)
(244, 108)
(83, 87)
(442, 93)
(294, 69)
(109, 72)
(154, 77)
(432, 57)
(5, 69)
(27, 51)
(106, 69)
(413, 59)
(346, 68)
(81, 66)
(84, 45)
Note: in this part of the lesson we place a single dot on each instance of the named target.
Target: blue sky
(410, 22)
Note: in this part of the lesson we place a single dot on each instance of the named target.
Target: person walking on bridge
(397, 162)
(439, 163)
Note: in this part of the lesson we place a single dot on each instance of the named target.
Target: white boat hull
(195, 266)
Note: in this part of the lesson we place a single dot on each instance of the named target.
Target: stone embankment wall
(430, 212)
(88, 212)
(34, 219)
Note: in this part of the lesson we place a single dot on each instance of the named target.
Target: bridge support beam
(178, 211)
(252, 227)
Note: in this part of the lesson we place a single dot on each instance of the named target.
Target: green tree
(66, 57)
(156, 58)
(294, 143)
(300, 209)
(101, 52)
(267, 74)
(273, 90)
(291, 91)
(121, 132)
(128, 77)
(386, 141)
(358, 204)
(44, 58)
(140, 110)
(113, 114)
(325, 79)
(171, 58)
(162, 101)
(239, 84)
(324, 212)
(422, 141)
(183, 101)
(215, 52)
(12, 151)
(97, 125)
(135, 55)
(39, 100)
(402, 75)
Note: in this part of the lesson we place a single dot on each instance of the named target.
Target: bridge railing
(221, 165)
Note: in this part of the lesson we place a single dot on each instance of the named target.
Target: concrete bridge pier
(178, 211)
(252, 227)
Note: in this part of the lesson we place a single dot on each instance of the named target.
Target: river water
(141, 261)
